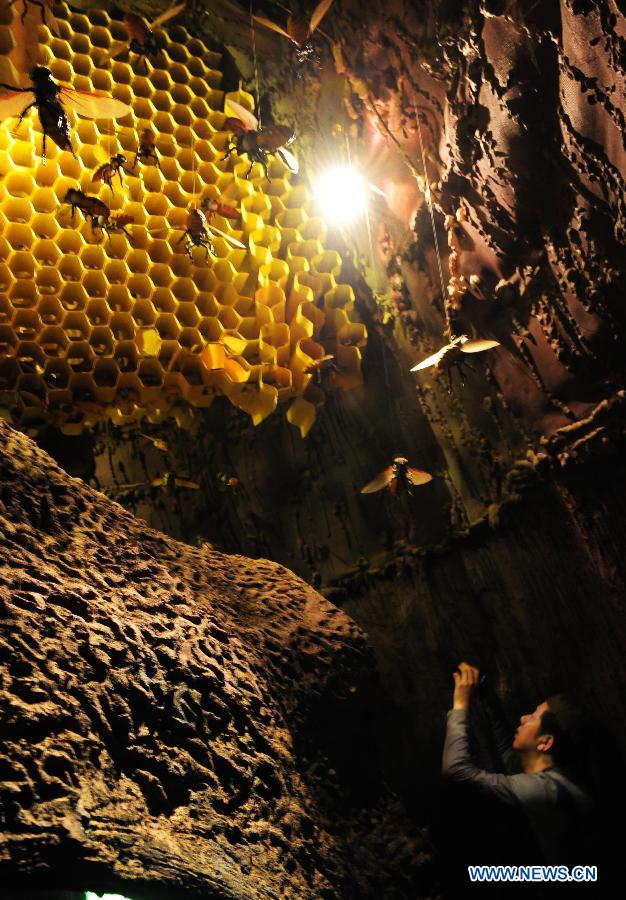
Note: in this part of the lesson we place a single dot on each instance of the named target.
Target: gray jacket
(556, 808)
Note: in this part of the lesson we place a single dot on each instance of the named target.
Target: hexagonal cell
(122, 326)
(30, 357)
(76, 326)
(21, 153)
(138, 262)
(8, 340)
(70, 244)
(23, 293)
(46, 176)
(80, 356)
(163, 300)
(170, 349)
(127, 356)
(26, 324)
(100, 36)
(53, 341)
(95, 284)
(144, 312)
(167, 326)
(119, 298)
(139, 286)
(191, 340)
(92, 257)
(73, 296)
(150, 373)
(45, 226)
(50, 311)
(20, 185)
(102, 341)
(48, 281)
(6, 310)
(22, 265)
(105, 376)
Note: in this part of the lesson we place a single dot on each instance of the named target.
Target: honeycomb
(94, 326)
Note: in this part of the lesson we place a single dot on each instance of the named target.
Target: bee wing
(381, 481)
(13, 103)
(183, 482)
(168, 14)
(477, 346)
(269, 24)
(249, 119)
(93, 104)
(430, 360)
(131, 487)
(227, 237)
(116, 49)
(318, 14)
(289, 159)
(377, 190)
(418, 476)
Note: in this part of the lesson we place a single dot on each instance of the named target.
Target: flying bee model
(97, 212)
(399, 477)
(141, 37)
(108, 170)
(453, 355)
(200, 234)
(299, 31)
(51, 101)
(257, 142)
(45, 11)
(147, 149)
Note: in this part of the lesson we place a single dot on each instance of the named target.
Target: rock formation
(175, 721)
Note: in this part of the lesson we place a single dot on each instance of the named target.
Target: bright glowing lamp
(341, 195)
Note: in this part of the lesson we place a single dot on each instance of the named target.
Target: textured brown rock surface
(174, 722)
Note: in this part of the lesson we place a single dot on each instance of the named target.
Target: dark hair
(563, 720)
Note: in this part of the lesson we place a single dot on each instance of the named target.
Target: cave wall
(519, 107)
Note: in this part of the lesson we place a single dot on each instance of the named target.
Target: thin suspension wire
(429, 200)
(256, 68)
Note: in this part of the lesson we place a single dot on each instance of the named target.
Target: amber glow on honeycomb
(128, 328)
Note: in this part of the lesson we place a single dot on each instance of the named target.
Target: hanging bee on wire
(97, 212)
(299, 31)
(454, 355)
(159, 443)
(108, 170)
(257, 142)
(147, 149)
(45, 11)
(226, 482)
(142, 39)
(199, 233)
(169, 481)
(399, 477)
(51, 101)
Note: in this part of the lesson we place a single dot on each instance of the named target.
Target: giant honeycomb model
(126, 328)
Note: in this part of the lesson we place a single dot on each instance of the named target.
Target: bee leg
(43, 149)
(23, 113)
(250, 169)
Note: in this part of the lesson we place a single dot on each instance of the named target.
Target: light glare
(341, 195)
